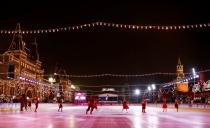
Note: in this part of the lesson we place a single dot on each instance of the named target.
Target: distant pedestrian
(164, 105)
(143, 103)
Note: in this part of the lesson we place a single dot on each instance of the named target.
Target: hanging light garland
(116, 75)
(113, 25)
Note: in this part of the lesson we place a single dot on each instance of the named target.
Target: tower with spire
(17, 46)
(179, 70)
(181, 86)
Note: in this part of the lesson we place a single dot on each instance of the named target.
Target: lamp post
(153, 90)
(194, 77)
(194, 74)
(149, 89)
(137, 92)
(153, 87)
(52, 80)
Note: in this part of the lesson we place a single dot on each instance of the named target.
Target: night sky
(101, 50)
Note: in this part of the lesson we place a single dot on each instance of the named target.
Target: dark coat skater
(95, 104)
(176, 104)
(22, 102)
(60, 104)
(90, 105)
(36, 101)
(29, 103)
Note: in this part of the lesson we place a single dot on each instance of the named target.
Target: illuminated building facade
(20, 74)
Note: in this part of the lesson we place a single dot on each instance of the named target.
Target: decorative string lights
(120, 75)
(113, 25)
(117, 75)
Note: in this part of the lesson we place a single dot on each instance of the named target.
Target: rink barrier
(170, 105)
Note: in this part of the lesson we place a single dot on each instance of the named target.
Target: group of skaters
(176, 104)
(27, 102)
(92, 104)
(143, 103)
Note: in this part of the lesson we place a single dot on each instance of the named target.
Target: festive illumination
(153, 87)
(113, 25)
(137, 91)
(149, 88)
(125, 75)
(51, 80)
(72, 86)
(182, 87)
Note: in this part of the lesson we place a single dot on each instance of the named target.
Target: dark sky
(108, 50)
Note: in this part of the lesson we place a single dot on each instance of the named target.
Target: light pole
(194, 77)
(149, 89)
(153, 90)
(51, 80)
(137, 92)
(153, 87)
(194, 74)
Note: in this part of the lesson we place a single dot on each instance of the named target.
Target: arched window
(1, 89)
(12, 91)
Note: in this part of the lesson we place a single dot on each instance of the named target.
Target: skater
(90, 105)
(176, 104)
(125, 105)
(60, 104)
(164, 105)
(25, 103)
(95, 104)
(36, 101)
(29, 103)
(143, 103)
(22, 102)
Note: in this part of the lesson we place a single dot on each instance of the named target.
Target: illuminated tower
(181, 86)
(179, 70)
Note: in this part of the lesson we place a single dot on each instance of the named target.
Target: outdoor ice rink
(105, 117)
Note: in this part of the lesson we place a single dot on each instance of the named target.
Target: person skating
(60, 104)
(29, 103)
(22, 102)
(164, 105)
(125, 105)
(90, 105)
(25, 103)
(143, 103)
(36, 101)
(95, 106)
(176, 104)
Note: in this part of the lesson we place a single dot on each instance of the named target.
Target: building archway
(1, 87)
(29, 94)
(12, 91)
